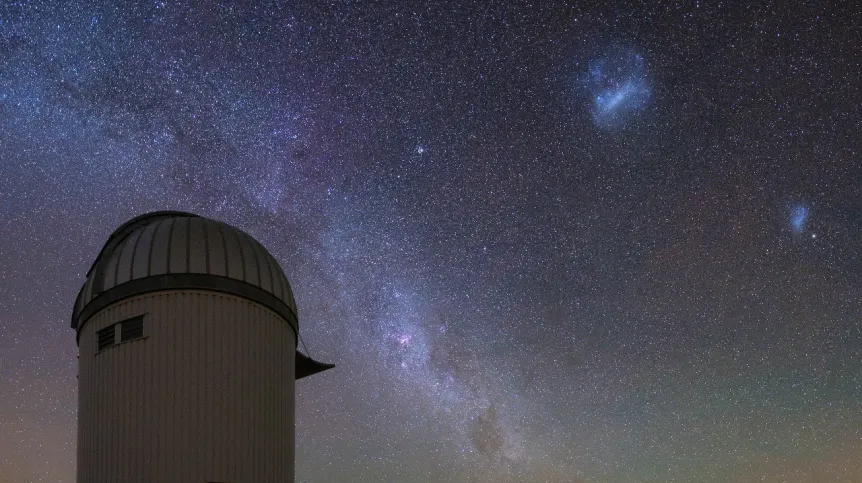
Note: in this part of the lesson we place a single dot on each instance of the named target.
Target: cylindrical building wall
(206, 395)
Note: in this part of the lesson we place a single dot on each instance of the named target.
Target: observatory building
(187, 335)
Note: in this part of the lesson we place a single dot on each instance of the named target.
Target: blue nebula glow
(798, 218)
(618, 87)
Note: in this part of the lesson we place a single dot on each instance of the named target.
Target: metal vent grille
(106, 337)
(132, 328)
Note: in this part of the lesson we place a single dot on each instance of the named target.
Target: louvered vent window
(106, 337)
(132, 328)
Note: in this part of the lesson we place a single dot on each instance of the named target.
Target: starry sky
(546, 242)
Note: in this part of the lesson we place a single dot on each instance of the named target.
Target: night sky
(542, 242)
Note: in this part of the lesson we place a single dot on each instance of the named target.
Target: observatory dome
(169, 250)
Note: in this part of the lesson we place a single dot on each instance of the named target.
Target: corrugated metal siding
(207, 395)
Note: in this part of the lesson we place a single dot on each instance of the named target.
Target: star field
(545, 242)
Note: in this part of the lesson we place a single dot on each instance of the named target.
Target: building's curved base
(206, 395)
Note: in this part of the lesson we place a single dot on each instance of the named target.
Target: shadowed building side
(187, 335)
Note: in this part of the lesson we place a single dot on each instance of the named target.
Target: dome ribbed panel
(86, 294)
(268, 273)
(198, 246)
(141, 263)
(160, 248)
(236, 262)
(179, 255)
(109, 270)
(167, 243)
(88, 291)
(264, 268)
(217, 251)
(276, 281)
(252, 263)
(124, 267)
(286, 293)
